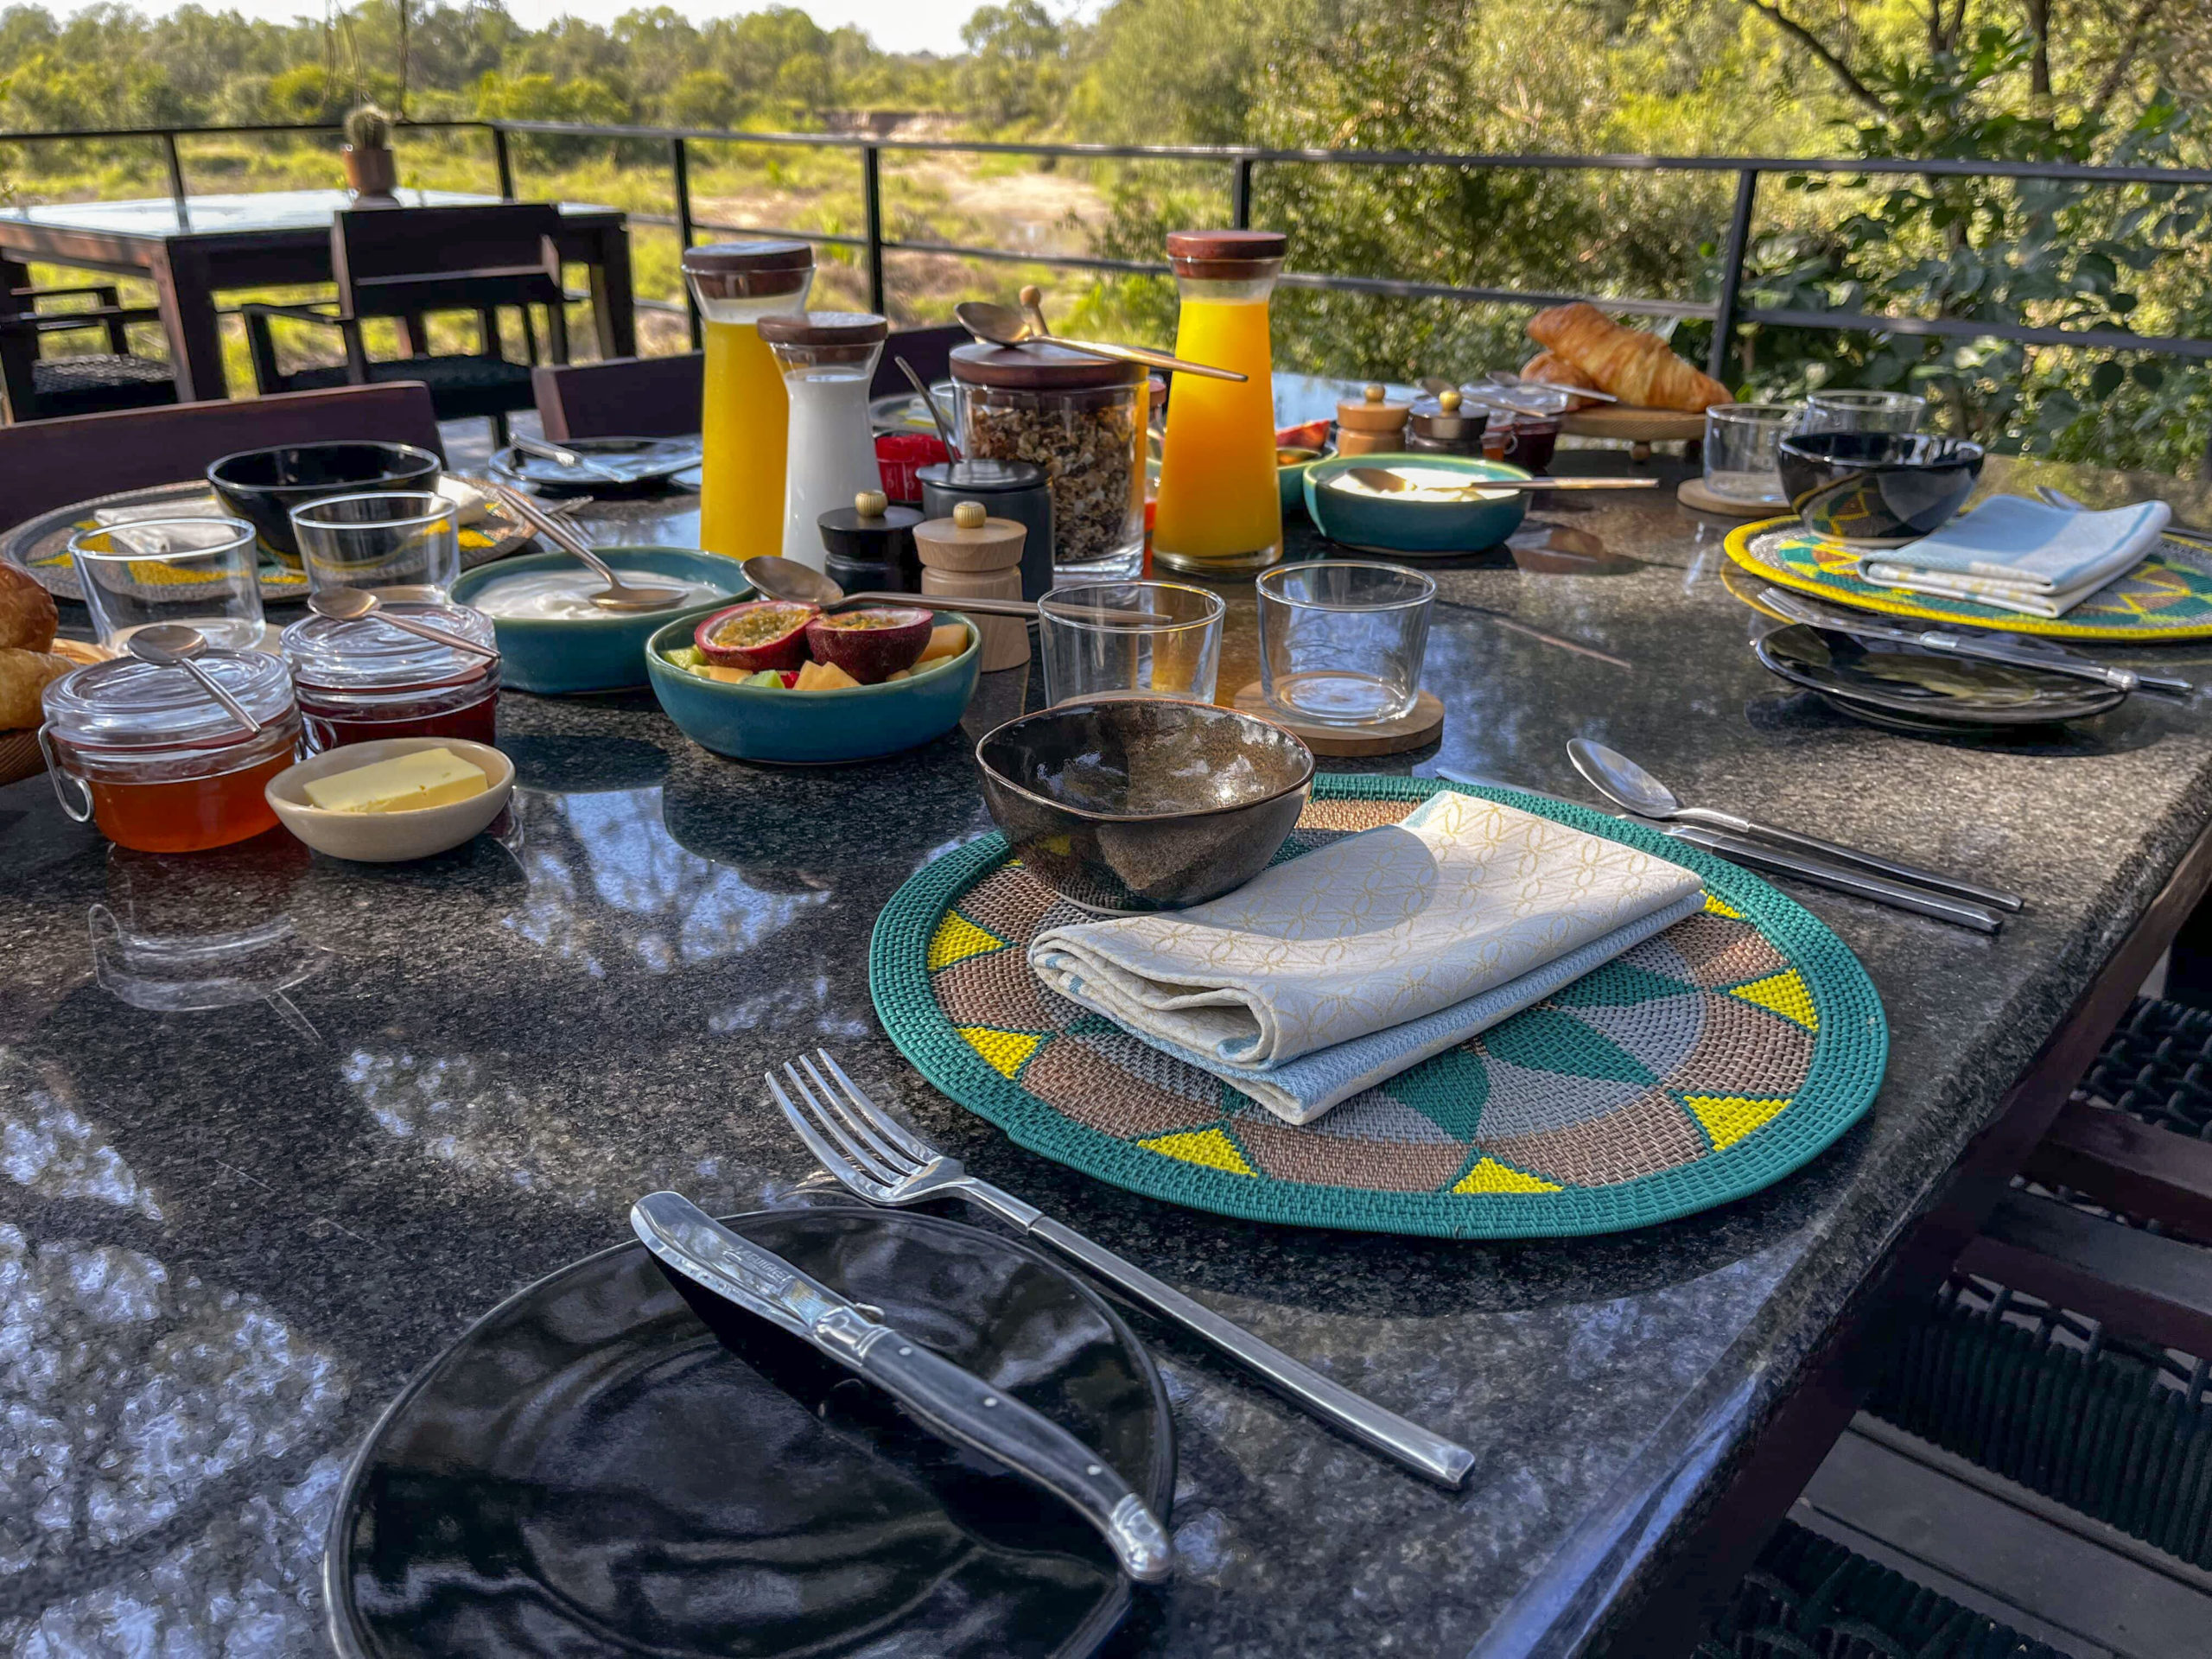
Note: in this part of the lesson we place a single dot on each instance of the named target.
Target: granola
(1088, 444)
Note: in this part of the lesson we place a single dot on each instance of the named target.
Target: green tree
(1017, 63)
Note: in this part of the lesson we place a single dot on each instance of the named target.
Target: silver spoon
(774, 577)
(936, 416)
(172, 644)
(618, 594)
(568, 459)
(351, 604)
(1508, 377)
(1383, 482)
(1625, 783)
(1002, 325)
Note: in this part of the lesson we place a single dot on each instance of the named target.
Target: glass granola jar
(362, 679)
(1082, 419)
(143, 752)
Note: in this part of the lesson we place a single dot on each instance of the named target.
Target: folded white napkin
(2022, 555)
(1324, 976)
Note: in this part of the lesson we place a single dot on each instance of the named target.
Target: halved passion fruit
(761, 634)
(871, 645)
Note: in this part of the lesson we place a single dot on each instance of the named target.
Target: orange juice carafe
(743, 411)
(1220, 508)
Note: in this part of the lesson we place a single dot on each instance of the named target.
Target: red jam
(365, 679)
(330, 726)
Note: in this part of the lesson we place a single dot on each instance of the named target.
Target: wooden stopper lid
(986, 544)
(1372, 412)
(870, 504)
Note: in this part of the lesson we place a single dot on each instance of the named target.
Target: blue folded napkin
(2022, 555)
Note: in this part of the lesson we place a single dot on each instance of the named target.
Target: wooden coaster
(1692, 494)
(1411, 731)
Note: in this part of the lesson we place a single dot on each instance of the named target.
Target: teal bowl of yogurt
(553, 640)
(1430, 517)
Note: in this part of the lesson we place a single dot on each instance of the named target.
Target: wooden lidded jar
(1373, 425)
(972, 556)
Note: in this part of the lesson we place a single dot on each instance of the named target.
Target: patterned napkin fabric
(2024, 555)
(1324, 976)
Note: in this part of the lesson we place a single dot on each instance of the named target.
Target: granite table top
(230, 1234)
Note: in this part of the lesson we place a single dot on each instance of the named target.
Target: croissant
(1636, 367)
(1554, 370)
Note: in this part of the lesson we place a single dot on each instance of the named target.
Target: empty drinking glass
(1122, 639)
(1341, 641)
(1740, 459)
(384, 539)
(1864, 411)
(201, 572)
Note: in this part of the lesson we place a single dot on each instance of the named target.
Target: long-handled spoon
(172, 644)
(1626, 784)
(351, 604)
(1385, 482)
(1001, 325)
(774, 577)
(936, 416)
(1508, 377)
(618, 594)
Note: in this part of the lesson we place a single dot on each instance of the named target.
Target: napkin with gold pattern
(1327, 975)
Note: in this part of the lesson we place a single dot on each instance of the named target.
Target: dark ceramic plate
(641, 466)
(608, 1464)
(1927, 690)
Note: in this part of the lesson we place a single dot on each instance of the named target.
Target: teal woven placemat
(1702, 1065)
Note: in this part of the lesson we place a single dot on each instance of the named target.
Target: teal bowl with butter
(1384, 524)
(791, 728)
(558, 657)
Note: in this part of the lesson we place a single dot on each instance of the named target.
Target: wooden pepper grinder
(1373, 425)
(973, 555)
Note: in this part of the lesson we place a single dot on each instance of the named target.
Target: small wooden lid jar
(1371, 425)
(972, 556)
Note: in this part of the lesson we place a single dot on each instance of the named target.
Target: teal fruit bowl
(1384, 524)
(859, 722)
(606, 653)
(1290, 476)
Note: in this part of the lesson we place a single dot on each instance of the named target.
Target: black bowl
(1144, 804)
(1877, 489)
(263, 485)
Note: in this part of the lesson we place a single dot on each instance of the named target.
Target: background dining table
(277, 1129)
(195, 249)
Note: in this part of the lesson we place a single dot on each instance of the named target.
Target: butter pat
(406, 782)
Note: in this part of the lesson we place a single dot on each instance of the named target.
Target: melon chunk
(946, 639)
(823, 676)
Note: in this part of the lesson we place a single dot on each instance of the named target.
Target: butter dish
(389, 837)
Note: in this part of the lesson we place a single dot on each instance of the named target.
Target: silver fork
(885, 1162)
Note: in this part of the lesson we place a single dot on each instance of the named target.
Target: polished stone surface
(274, 1129)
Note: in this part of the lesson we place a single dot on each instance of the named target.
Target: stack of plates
(1907, 688)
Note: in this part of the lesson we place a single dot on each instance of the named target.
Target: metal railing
(1725, 311)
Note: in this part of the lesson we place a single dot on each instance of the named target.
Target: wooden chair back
(929, 350)
(402, 262)
(622, 397)
(48, 464)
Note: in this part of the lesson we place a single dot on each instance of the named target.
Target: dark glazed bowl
(263, 485)
(1141, 804)
(1877, 489)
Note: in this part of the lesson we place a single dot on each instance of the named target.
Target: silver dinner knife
(1838, 877)
(953, 1403)
(2080, 668)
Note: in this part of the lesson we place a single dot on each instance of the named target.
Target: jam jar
(362, 679)
(142, 750)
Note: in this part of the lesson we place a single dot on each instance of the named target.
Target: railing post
(679, 166)
(1731, 270)
(872, 192)
(176, 174)
(1240, 195)
(504, 162)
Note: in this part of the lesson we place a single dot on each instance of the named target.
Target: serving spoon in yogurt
(618, 594)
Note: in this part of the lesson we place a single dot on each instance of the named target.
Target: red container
(899, 456)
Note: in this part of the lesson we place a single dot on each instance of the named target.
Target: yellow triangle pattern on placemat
(1490, 1176)
(1715, 907)
(1007, 1050)
(957, 940)
(1728, 1118)
(1208, 1146)
(1784, 993)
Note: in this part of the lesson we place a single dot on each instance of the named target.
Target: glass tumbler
(1864, 411)
(383, 540)
(1341, 641)
(201, 572)
(1741, 461)
(1130, 639)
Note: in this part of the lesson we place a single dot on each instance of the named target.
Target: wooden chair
(408, 264)
(659, 397)
(48, 464)
(36, 387)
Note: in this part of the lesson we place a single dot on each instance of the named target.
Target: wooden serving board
(1413, 731)
(1632, 424)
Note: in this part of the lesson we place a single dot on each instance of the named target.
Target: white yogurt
(565, 595)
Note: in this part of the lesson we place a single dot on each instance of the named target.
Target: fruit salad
(777, 645)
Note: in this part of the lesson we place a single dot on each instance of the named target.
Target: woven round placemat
(2167, 597)
(1700, 1066)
